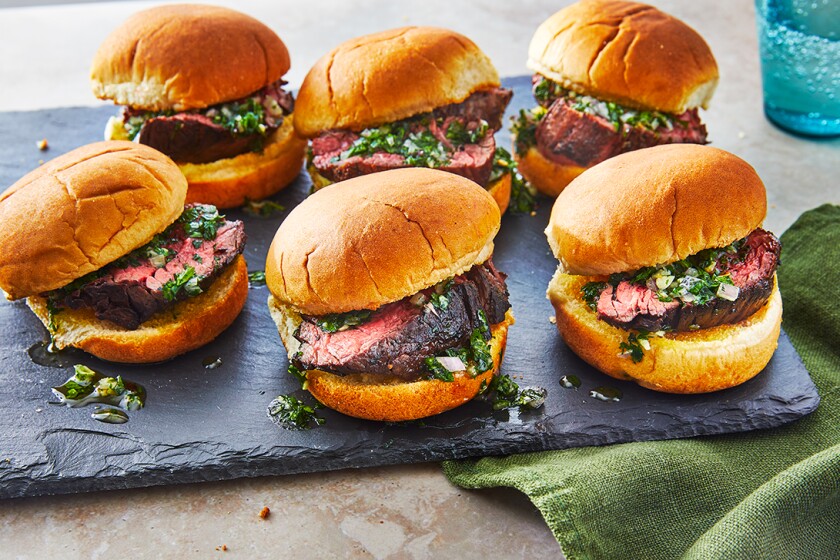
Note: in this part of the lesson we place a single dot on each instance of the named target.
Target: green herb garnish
(262, 208)
(298, 374)
(524, 128)
(293, 414)
(636, 345)
(335, 322)
(256, 278)
(522, 194)
(182, 279)
(508, 394)
(201, 222)
(591, 292)
(437, 370)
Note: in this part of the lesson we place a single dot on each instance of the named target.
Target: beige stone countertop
(394, 512)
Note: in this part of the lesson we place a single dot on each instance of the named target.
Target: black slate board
(211, 424)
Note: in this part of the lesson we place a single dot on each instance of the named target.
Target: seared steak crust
(633, 306)
(131, 290)
(473, 161)
(400, 335)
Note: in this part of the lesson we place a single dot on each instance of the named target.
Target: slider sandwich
(665, 276)
(409, 97)
(111, 261)
(203, 85)
(610, 77)
(385, 295)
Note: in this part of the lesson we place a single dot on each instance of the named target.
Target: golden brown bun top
(625, 52)
(378, 238)
(654, 206)
(389, 76)
(83, 210)
(186, 56)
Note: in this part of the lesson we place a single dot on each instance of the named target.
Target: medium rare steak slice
(631, 305)
(473, 161)
(195, 137)
(400, 335)
(568, 136)
(182, 261)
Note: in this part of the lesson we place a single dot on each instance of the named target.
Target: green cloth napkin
(765, 494)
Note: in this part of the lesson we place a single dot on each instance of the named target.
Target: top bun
(390, 76)
(378, 238)
(654, 206)
(186, 56)
(83, 210)
(625, 52)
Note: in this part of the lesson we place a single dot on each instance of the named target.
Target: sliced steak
(473, 161)
(193, 137)
(488, 105)
(131, 290)
(634, 306)
(567, 136)
(399, 336)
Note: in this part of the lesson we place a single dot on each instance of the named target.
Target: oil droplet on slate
(211, 362)
(570, 381)
(46, 354)
(109, 415)
(605, 393)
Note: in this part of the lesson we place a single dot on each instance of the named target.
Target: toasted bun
(625, 52)
(186, 56)
(368, 241)
(654, 206)
(83, 210)
(389, 76)
(548, 177)
(378, 397)
(687, 362)
(190, 324)
(500, 189)
(226, 183)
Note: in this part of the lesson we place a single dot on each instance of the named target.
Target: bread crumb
(223, 548)
(42, 144)
(265, 512)
(533, 213)
(552, 319)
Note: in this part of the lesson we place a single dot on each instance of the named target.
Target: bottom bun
(188, 325)
(498, 189)
(378, 397)
(687, 362)
(226, 183)
(548, 177)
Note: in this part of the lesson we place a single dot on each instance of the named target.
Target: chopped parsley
(291, 413)
(591, 292)
(262, 208)
(477, 356)
(201, 221)
(437, 370)
(522, 194)
(185, 280)
(637, 343)
(439, 296)
(417, 144)
(524, 128)
(335, 322)
(256, 278)
(508, 394)
(298, 374)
